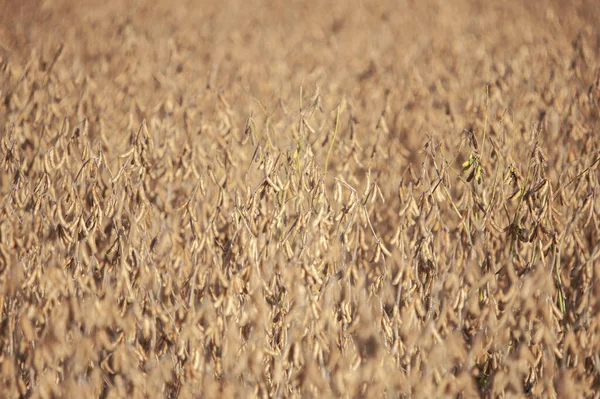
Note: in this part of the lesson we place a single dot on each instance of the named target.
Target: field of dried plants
(299, 199)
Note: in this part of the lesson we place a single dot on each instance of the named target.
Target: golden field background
(299, 199)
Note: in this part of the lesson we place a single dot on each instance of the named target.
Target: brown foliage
(299, 199)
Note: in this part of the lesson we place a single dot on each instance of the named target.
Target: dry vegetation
(299, 199)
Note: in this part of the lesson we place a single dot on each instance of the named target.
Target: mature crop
(299, 199)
